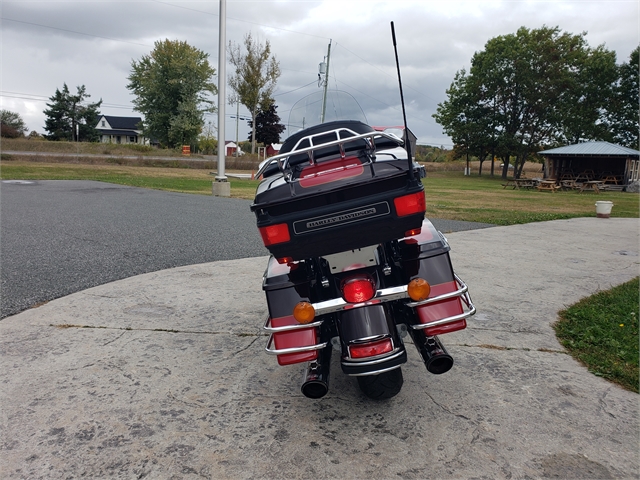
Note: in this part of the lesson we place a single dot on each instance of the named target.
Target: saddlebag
(426, 255)
(284, 287)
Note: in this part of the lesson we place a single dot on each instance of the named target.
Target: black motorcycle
(354, 264)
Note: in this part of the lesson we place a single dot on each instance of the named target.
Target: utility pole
(326, 81)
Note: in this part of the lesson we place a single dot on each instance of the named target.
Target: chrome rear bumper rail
(284, 351)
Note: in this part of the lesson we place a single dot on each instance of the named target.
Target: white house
(120, 130)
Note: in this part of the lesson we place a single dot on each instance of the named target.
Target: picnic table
(517, 183)
(547, 185)
(593, 185)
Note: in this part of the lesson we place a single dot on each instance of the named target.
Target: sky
(48, 43)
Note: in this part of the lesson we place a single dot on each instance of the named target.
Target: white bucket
(603, 209)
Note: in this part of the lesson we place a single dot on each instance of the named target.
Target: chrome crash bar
(382, 295)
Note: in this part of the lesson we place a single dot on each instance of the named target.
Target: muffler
(316, 377)
(435, 356)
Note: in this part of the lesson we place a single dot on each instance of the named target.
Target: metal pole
(326, 83)
(237, 120)
(222, 82)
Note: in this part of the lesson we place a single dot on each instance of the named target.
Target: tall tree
(589, 94)
(14, 121)
(530, 89)
(267, 127)
(255, 77)
(70, 117)
(173, 88)
(624, 119)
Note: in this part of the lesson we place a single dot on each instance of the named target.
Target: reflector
(358, 289)
(364, 350)
(418, 289)
(304, 312)
(410, 204)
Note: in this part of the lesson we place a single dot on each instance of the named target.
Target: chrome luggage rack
(283, 159)
(383, 295)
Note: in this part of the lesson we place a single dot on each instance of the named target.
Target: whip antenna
(407, 144)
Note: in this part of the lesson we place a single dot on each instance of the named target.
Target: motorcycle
(355, 266)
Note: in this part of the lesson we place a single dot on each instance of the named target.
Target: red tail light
(275, 234)
(371, 349)
(358, 289)
(410, 204)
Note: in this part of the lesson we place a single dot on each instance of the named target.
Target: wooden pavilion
(593, 161)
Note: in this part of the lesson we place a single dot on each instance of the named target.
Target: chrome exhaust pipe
(435, 356)
(316, 377)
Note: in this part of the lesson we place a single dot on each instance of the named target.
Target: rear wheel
(381, 386)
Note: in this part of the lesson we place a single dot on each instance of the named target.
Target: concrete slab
(164, 375)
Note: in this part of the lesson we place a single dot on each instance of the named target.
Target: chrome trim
(288, 328)
(395, 353)
(283, 159)
(382, 295)
(284, 351)
(376, 372)
(462, 289)
(464, 297)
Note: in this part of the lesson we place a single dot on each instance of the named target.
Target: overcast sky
(92, 42)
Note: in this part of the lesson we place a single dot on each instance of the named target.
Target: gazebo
(599, 160)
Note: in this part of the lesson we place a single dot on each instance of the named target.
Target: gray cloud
(93, 43)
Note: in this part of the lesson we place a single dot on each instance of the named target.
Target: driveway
(164, 375)
(60, 237)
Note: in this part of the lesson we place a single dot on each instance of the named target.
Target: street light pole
(221, 187)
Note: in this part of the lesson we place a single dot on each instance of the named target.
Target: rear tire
(382, 386)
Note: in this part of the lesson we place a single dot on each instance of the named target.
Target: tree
(589, 94)
(255, 77)
(173, 85)
(527, 90)
(267, 126)
(624, 112)
(70, 117)
(14, 121)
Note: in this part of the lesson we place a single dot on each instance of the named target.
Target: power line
(295, 89)
(73, 31)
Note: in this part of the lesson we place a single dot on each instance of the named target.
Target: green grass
(454, 196)
(602, 332)
(449, 194)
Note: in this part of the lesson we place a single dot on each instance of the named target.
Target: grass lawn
(449, 194)
(602, 332)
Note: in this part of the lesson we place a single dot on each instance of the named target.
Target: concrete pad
(164, 375)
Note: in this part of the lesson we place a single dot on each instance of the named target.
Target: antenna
(407, 144)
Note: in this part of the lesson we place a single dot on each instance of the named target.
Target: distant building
(121, 130)
(273, 149)
(595, 159)
(231, 148)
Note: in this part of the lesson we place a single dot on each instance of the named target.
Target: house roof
(122, 123)
(600, 149)
(108, 131)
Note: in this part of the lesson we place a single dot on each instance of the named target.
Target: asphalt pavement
(164, 375)
(60, 237)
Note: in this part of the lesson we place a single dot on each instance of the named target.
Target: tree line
(174, 88)
(524, 92)
(536, 89)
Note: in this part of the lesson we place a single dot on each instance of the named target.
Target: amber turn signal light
(418, 289)
(304, 312)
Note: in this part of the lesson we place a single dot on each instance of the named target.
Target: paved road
(60, 237)
(164, 375)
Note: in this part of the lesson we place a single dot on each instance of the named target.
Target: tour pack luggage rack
(283, 160)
